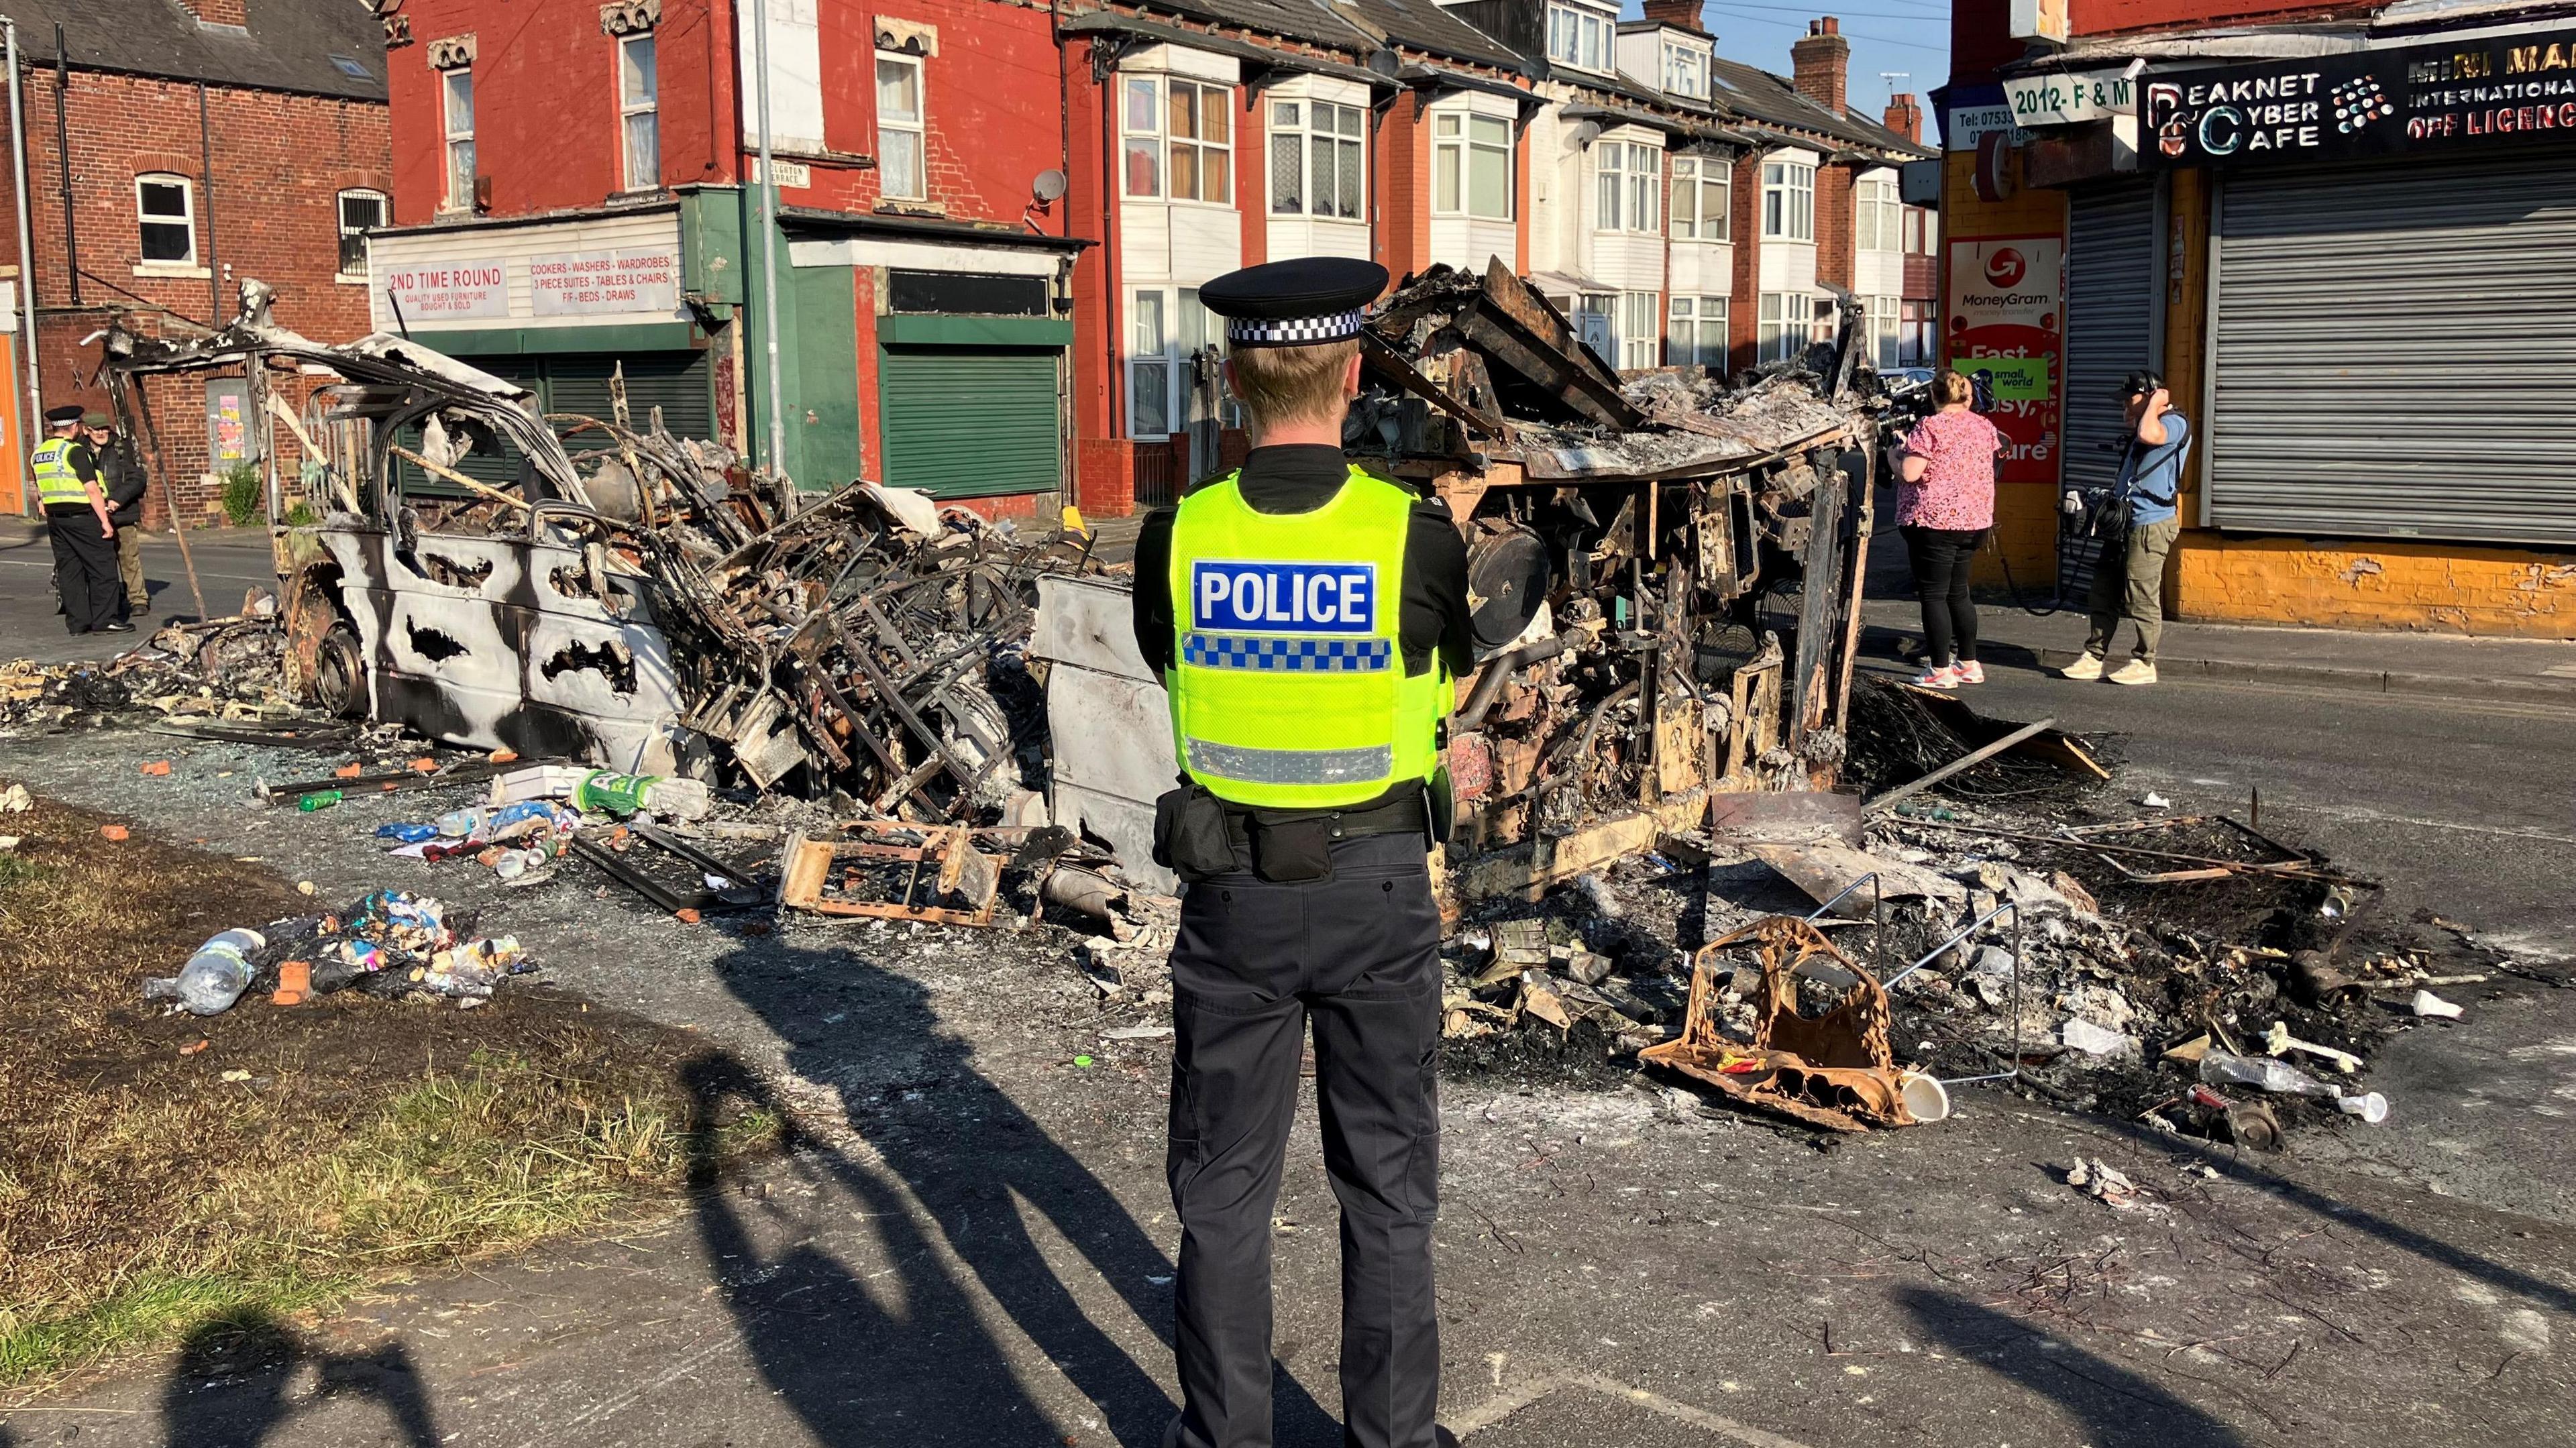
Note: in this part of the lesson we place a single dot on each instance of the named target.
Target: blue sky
(1886, 35)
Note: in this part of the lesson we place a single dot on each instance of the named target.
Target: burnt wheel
(340, 674)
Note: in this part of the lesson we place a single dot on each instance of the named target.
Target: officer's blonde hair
(1279, 385)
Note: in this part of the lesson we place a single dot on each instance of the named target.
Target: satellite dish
(1048, 186)
(1586, 133)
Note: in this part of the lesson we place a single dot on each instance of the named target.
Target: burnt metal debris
(606, 591)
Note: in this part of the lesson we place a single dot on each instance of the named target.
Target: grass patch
(143, 1197)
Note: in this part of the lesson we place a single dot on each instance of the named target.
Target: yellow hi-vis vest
(55, 481)
(1287, 683)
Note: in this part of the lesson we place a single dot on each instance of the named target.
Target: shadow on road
(231, 1386)
(913, 1344)
(2118, 1408)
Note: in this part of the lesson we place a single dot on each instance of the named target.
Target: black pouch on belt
(1190, 836)
(1292, 849)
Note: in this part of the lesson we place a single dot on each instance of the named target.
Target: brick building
(2337, 231)
(175, 147)
(576, 200)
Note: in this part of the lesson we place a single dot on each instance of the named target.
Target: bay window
(1703, 197)
(1471, 165)
(1877, 224)
(1317, 165)
(1580, 36)
(1629, 175)
(1168, 329)
(1788, 200)
(1784, 326)
(1178, 139)
(1695, 336)
(1638, 344)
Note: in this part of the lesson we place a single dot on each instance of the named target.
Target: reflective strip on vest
(1287, 684)
(1369, 764)
(56, 483)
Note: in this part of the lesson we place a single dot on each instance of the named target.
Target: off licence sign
(590, 283)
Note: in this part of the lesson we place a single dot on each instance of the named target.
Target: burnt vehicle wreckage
(941, 717)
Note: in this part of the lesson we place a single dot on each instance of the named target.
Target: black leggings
(1941, 558)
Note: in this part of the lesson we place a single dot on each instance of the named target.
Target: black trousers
(1941, 558)
(84, 569)
(1358, 954)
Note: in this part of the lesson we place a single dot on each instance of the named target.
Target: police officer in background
(1309, 620)
(76, 514)
(124, 482)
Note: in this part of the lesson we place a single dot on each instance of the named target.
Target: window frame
(1165, 141)
(1350, 149)
(185, 220)
(1180, 312)
(1705, 173)
(1627, 188)
(1877, 215)
(1585, 28)
(1784, 332)
(1794, 188)
(452, 139)
(1693, 310)
(340, 222)
(629, 111)
(1672, 50)
(1636, 322)
(1455, 153)
(917, 127)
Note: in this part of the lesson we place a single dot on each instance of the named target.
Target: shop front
(2387, 388)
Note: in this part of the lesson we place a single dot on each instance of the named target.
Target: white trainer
(2135, 671)
(2087, 667)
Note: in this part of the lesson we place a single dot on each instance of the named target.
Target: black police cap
(63, 416)
(1295, 303)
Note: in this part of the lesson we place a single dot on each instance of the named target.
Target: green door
(965, 421)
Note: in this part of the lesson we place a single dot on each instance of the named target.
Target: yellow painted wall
(2417, 587)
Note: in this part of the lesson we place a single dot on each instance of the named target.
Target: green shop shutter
(964, 421)
(679, 383)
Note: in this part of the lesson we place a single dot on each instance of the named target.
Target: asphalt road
(975, 1249)
(229, 561)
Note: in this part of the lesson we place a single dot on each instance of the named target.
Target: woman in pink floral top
(1945, 506)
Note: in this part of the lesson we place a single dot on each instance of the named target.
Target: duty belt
(1405, 815)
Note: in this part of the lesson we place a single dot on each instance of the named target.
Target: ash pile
(2008, 918)
(224, 669)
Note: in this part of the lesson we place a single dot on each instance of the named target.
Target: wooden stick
(1964, 761)
(462, 481)
(169, 493)
(348, 493)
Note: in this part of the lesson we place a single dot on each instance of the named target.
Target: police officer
(1309, 619)
(76, 514)
(124, 483)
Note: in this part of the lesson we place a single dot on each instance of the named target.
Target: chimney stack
(1680, 14)
(1822, 64)
(1905, 118)
(235, 13)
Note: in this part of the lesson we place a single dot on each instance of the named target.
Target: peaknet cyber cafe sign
(2460, 96)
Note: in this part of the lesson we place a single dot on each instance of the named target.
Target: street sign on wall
(2005, 303)
(2464, 95)
(2065, 100)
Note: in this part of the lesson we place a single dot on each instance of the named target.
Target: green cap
(97, 419)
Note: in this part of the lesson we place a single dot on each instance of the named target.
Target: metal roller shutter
(679, 383)
(2394, 351)
(2113, 325)
(962, 421)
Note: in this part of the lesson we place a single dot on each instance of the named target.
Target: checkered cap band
(1286, 655)
(1292, 332)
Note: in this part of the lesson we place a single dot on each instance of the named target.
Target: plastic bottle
(219, 972)
(456, 824)
(319, 799)
(2263, 1073)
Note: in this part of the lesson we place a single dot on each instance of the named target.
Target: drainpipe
(768, 243)
(63, 148)
(214, 260)
(26, 249)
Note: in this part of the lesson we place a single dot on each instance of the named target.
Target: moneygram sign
(2465, 95)
(2004, 316)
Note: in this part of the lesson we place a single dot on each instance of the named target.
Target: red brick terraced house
(173, 149)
